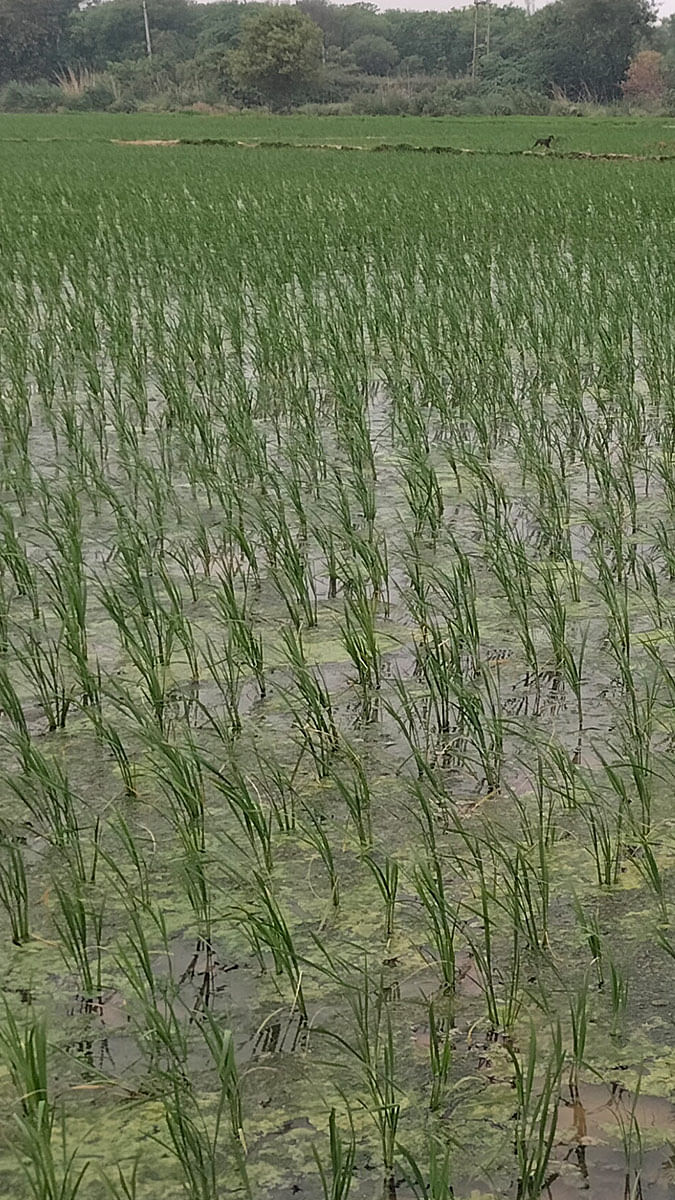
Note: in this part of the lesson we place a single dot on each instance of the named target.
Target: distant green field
(651, 136)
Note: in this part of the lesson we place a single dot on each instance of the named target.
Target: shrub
(123, 104)
(30, 97)
(385, 102)
(96, 98)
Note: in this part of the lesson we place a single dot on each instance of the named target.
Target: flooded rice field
(337, 673)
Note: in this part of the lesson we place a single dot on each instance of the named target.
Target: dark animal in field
(545, 142)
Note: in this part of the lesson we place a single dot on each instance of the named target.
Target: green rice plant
(336, 1180)
(317, 724)
(359, 634)
(418, 596)
(542, 832)
(67, 583)
(194, 1145)
(552, 611)
(5, 604)
(14, 890)
(11, 706)
(632, 1143)
(651, 579)
(80, 927)
(578, 1005)
(278, 788)
(435, 1181)
(647, 864)
(220, 1045)
(440, 664)
(386, 877)
(458, 589)
(41, 662)
(618, 992)
(312, 831)
(537, 1112)
(440, 1054)
(14, 557)
(150, 656)
(240, 396)
(109, 737)
(411, 718)
(24, 1052)
(372, 1049)
(482, 714)
(365, 551)
(325, 538)
(182, 556)
(510, 564)
(292, 577)
(422, 491)
(150, 631)
(502, 988)
(162, 1031)
(441, 916)
(125, 1187)
(49, 1175)
(634, 765)
(225, 670)
(245, 804)
(527, 891)
(44, 789)
(134, 856)
(606, 842)
(356, 794)
(267, 929)
(590, 927)
(180, 777)
(248, 644)
(197, 884)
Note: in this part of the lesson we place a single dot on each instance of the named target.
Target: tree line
(102, 54)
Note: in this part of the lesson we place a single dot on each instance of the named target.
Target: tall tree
(374, 55)
(645, 82)
(279, 55)
(114, 31)
(32, 36)
(585, 46)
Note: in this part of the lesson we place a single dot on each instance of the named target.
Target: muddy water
(589, 1125)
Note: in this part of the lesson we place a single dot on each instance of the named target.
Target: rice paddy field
(337, 672)
(650, 137)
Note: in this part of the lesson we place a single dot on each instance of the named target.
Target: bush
(30, 97)
(97, 98)
(123, 104)
(385, 102)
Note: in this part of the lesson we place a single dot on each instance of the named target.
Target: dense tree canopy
(373, 54)
(32, 34)
(581, 48)
(584, 47)
(279, 54)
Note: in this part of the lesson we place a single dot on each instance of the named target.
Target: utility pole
(489, 21)
(475, 40)
(146, 22)
(476, 5)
